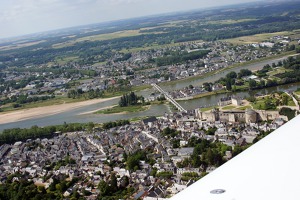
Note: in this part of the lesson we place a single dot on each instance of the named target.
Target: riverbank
(33, 113)
(207, 94)
(201, 76)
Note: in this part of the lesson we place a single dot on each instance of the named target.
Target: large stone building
(248, 115)
(234, 100)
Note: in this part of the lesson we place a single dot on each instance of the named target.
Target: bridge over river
(169, 98)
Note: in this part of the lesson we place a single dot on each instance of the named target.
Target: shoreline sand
(33, 113)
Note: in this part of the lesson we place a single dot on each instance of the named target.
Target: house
(176, 188)
(185, 152)
(155, 193)
(149, 120)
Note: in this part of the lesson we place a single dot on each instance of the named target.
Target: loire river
(155, 110)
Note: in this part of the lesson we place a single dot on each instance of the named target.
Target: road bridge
(169, 98)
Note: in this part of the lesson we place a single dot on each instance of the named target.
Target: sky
(19, 17)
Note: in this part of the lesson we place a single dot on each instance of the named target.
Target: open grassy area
(242, 87)
(141, 87)
(256, 38)
(109, 36)
(258, 105)
(118, 109)
(114, 94)
(263, 37)
(244, 107)
(21, 45)
(297, 92)
(65, 60)
(99, 63)
(275, 99)
(100, 37)
(291, 103)
(278, 70)
(230, 21)
(207, 109)
(137, 119)
(229, 107)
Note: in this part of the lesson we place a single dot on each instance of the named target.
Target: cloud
(18, 9)
(27, 16)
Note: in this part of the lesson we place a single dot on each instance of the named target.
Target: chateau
(247, 116)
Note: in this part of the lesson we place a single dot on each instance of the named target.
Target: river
(74, 116)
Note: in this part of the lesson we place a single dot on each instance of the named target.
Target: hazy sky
(19, 17)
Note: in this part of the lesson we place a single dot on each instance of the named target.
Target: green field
(257, 38)
(18, 46)
(65, 60)
(101, 37)
(230, 21)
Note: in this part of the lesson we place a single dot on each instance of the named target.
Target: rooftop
(267, 170)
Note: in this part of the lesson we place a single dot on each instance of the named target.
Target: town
(40, 83)
(154, 158)
(142, 108)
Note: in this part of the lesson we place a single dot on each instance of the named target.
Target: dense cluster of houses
(89, 156)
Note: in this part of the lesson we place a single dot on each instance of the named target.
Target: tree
(130, 99)
(211, 130)
(124, 182)
(133, 160)
(252, 84)
(113, 184)
(285, 99)
(212, 157)
(104, 188)
(153, 172)
(244, 72)
(291, 48)
(231, 75)
(166, 174)
(228, 85)
(298, 49)
(263, 83)
(269, 105)
(207, 86)
(271, 83)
